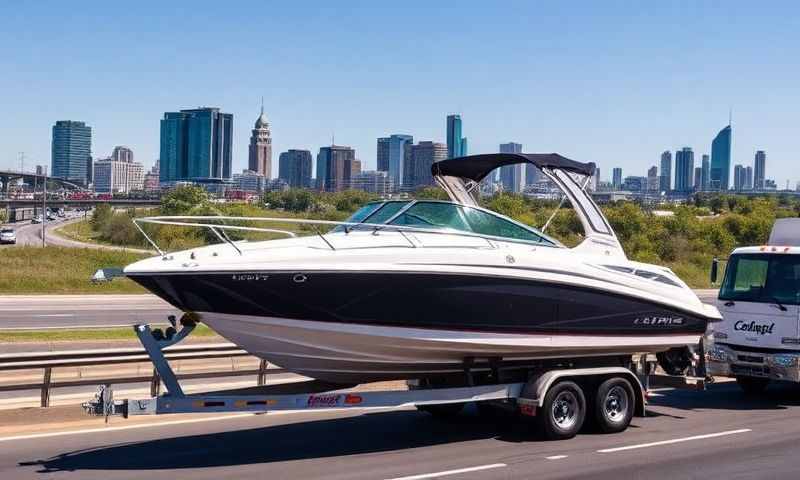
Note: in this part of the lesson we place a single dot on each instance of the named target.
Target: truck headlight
(716, 354)
(784, 359)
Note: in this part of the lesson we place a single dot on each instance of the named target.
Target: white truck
(758, 340)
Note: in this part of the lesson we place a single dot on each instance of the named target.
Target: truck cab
(759, 337)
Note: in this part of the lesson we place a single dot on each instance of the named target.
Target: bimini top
(476, 167)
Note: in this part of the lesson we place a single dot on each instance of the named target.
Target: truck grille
(751, 358)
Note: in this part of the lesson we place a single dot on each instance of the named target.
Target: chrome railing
(219, 229)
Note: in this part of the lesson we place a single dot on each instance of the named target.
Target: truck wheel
(444, 410)
(614, 405)
(752, 385)
(563, 411)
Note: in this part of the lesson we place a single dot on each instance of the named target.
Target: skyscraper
(456, 144)
(392, 154)
(196, 146)
(616, 178)
(684, 170)
(514, 177)
(759, 170)
(418, 161)
(748, 178)
(260, 150)
(705, 173)
(738, 178)
(721, 159)
(334, 168)
(294, 167)
(665, 180)
(653, 180)
(71, 152)
(122, 154)
(698, 178)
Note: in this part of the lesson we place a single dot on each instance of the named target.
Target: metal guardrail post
(262, 373)
(155, 384)
(48, 374)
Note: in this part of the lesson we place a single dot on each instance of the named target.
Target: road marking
(55, 315)
(555, 457)
(675, 440)
(451, 472)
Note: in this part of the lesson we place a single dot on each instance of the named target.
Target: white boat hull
(358, 353)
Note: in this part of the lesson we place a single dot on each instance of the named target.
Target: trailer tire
(752, 385)
(563, 411)
(614, 404)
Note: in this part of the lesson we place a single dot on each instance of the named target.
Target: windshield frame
(727, 292)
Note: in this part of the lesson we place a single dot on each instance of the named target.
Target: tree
(183, 199)
(101, 217)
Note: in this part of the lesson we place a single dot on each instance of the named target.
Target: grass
(61, 270)
(80, 231)
(88, 335)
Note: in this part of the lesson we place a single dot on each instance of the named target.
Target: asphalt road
(62, 311)
(719, 433)
(59, 311)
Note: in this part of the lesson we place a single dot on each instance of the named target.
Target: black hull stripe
(468, 302)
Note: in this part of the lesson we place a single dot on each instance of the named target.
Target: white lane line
(555, 457)
(451, 472)
(55, 315)
(675, 440)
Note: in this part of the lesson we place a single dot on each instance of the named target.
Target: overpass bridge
(90, 202)
(31, 180)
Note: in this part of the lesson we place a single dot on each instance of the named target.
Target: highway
(60, 311)
(719, 433)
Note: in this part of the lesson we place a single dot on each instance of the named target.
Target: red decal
(351, 399)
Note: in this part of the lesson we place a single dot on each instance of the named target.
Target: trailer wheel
(752, 385)
(614, 405)
(443, 410)
(563, 411)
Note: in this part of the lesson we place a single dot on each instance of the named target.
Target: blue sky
(611, 82)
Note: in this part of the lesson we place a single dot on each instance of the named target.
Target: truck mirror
(714, 269)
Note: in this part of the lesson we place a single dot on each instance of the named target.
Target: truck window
(763, 278)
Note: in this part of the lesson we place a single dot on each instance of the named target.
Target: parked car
(8, 235)
(37, 219)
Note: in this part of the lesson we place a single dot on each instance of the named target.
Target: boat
(414, 288)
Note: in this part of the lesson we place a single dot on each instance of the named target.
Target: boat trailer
(527, 397)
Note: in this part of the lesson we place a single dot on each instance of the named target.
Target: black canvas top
(476, 167)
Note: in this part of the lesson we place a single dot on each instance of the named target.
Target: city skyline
(623, 117)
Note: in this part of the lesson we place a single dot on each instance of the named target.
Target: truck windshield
(764, 278)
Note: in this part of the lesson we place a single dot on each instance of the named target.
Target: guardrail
(48, 361)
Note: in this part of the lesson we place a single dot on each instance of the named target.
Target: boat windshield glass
(762, 278)
(364, 212)
(467, 219)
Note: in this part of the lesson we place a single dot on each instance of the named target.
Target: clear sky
(611, 82)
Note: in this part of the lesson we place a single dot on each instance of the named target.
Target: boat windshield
(762, 278)
(438, 215)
